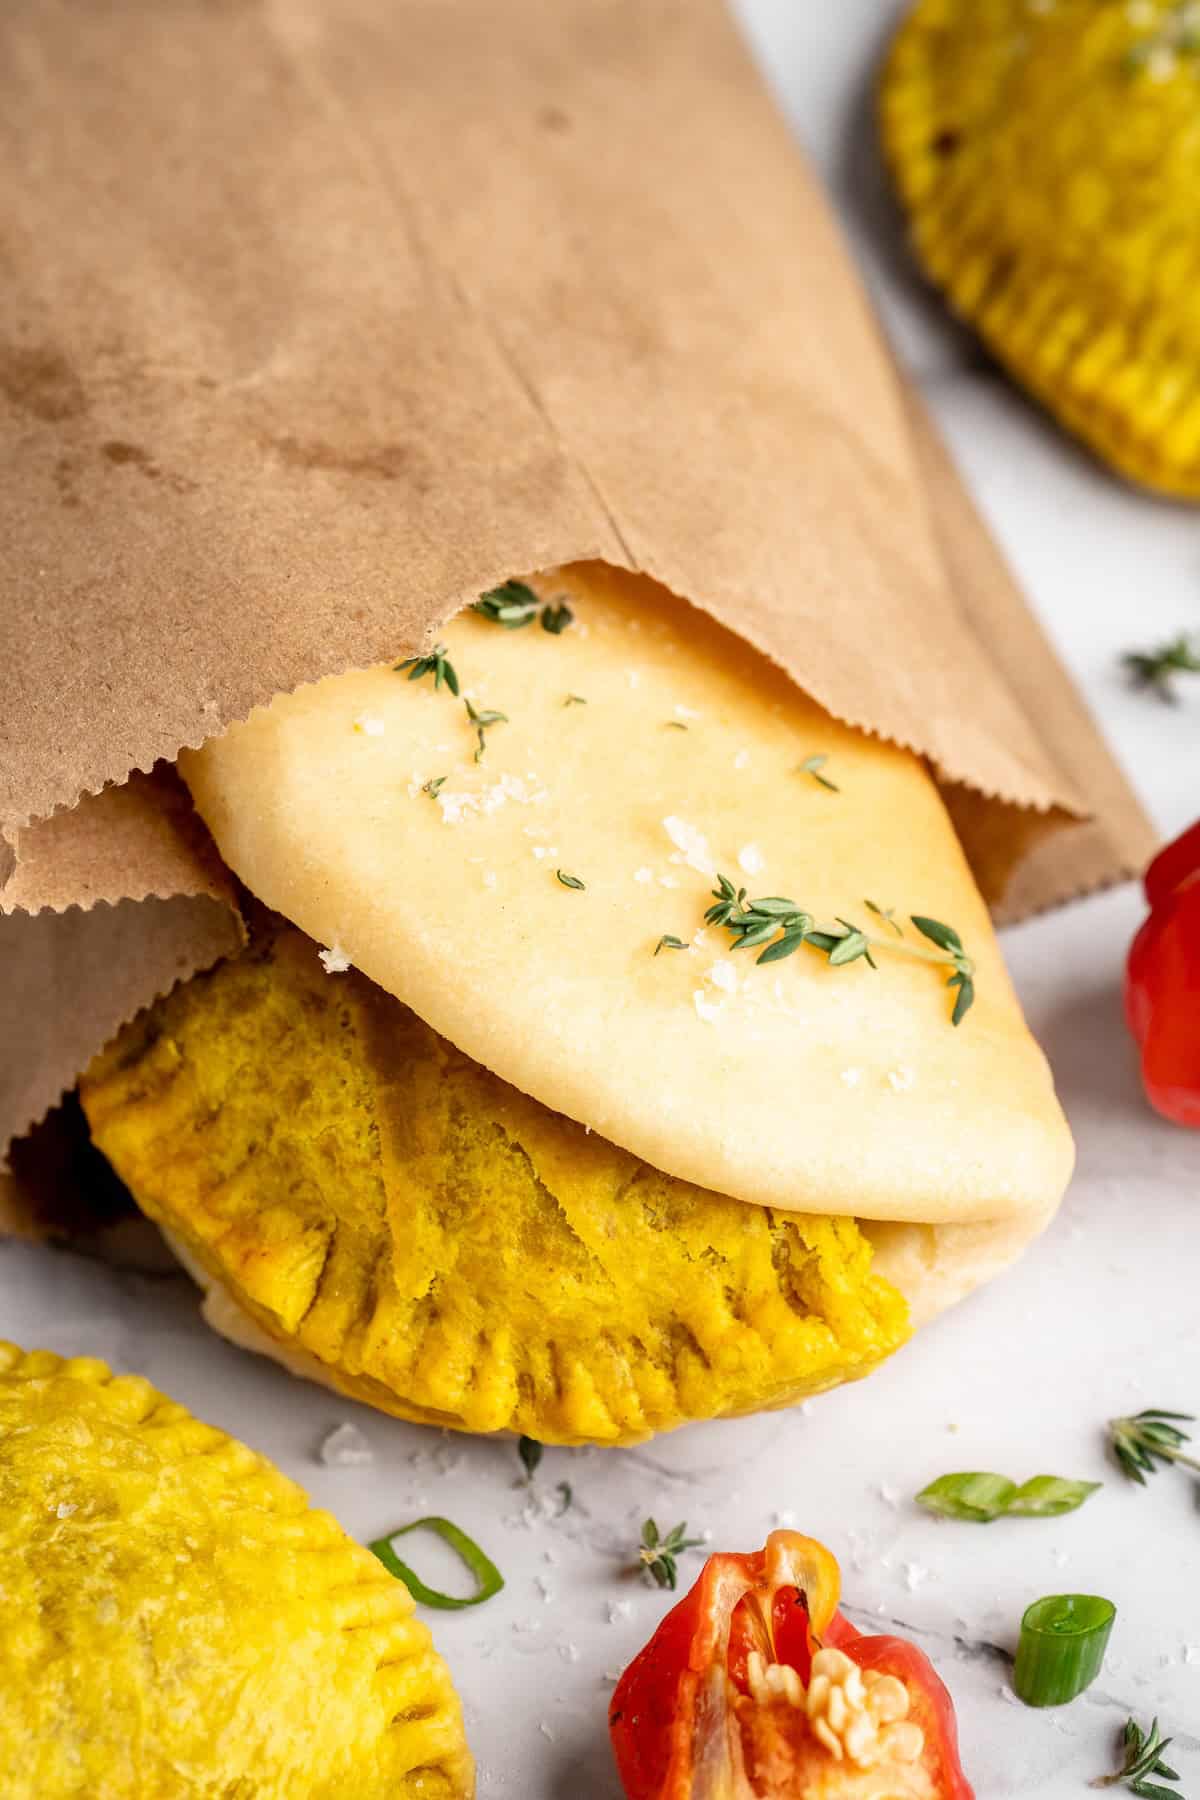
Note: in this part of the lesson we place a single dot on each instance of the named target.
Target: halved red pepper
(733, 1697)
(1162, 982)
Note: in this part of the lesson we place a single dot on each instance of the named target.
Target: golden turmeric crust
(178, 1622)
(1048, 160)
(447, 1248)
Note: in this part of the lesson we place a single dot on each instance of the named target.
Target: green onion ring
(1061, 1648)
(487, 1576)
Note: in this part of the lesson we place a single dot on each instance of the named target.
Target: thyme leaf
(660, 1555)
(666, 942)
(530, 1453)
(437, 664)
(512, 605)
(1155, 670)
(481, 721)
(571, 881)
(812, 765)
(433, 786)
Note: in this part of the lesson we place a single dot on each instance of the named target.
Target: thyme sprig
(776, 927)
(514, 604)
(660, 1555)
(570, 881)
(1156, 670)
(433, 786)
(481, 721)
(1143, 1759)
(667, 942)
(1143, 1440)
(437, 664)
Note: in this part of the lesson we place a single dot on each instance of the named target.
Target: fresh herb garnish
(1144, 1439)
(436, 664)
(887, 914)
(571, 881)
(666, 942)
(433, 786)
(488, 1578)
(660, 1554)
(675, 725)
(555, 619)
(512, 605)
(777, 927)
(1143, 1758)
(565, 1496)
(812, 765)
(481, 722)
(1156, 669)
(530, 1453)
(982, 1497)
(1061, 1648)
(574, 700)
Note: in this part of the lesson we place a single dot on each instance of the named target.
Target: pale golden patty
(1049, 159)
(446, 1247)
(180, 1625)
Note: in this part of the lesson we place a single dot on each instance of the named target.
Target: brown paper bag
(317, 319)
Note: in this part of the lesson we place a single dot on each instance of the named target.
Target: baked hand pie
(1048, 160)
(178, 1621)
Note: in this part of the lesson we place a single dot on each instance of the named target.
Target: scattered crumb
(544, 1589)
(891, 1496)
(618, 1610)
(569, 1652)
(546, 1732)
(369, 727)
(724, 976)
(784, 1519)
(914, 1574)
(709, 1010)
(345, 1447)
(334, 960)
(751, 859)
(691, 842)
(1191, 1653)
(901, 1079)
(1060, 1558)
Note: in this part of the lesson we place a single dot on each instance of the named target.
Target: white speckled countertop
(1102, 1316)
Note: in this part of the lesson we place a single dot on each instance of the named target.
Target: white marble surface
(1101, 1317)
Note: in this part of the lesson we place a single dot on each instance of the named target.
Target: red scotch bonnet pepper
(1162, 982)
(756, 1688)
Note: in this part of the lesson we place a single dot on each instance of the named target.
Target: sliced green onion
(1049, 1496)
(1061, 1648)
(487, 1575)
(981, 1497)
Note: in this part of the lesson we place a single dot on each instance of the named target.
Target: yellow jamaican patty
(179, 1623)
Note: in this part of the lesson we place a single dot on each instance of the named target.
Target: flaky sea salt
(709, 1010)
(724, 976)
(691, 843)
(618, 1610)
(345, 1447)
(369, 727)
(750, 858)
(901, 1079)
(335, 961)
(64, 1509)
(644, 875)
(851, 1077)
